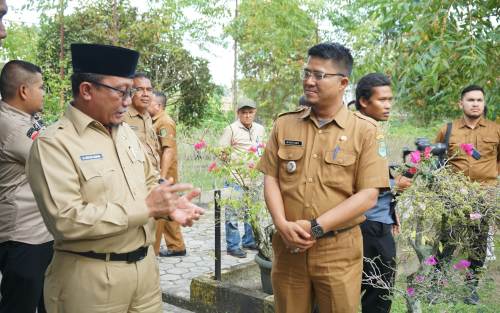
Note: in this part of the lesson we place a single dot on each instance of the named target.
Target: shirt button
(315, 156)
(310, 179)
(320, 131)
(307, 205)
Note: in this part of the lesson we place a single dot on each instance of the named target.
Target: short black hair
(335, 52)
(163, 98)
(14, 74)
(140, 75)
(469, 89)
(78, 78)
(364, 88)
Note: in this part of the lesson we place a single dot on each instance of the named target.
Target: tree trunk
(235, 67)
(61, 50)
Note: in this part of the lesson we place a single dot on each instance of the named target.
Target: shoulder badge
(163, 132)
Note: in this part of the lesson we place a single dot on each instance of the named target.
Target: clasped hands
(163, 201)
(296, 235)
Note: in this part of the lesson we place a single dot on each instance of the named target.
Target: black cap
(103, 59)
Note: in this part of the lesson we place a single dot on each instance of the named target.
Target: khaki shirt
(164, 127)
(91, 186)
(240, 137)
(142, 125)
(486, 140)
(320, 167)
(20, 219)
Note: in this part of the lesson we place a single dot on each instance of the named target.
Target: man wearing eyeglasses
(322, 172)
(99, 194)
(139, 119)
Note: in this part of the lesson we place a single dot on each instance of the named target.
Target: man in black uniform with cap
(98, 194)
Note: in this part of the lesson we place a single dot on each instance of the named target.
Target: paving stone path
(176, 272)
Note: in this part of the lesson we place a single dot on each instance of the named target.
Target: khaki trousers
(77, 284)
(171, 231)
(329, 273)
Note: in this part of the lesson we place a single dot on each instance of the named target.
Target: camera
(438, 149)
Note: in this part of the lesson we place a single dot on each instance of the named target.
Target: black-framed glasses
(318, 75)
(125, 93)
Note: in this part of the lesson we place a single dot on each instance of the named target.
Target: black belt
(333, 233)
(129, 257)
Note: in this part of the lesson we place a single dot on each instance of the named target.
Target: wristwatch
(316, 229)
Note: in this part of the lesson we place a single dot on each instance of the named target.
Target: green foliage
(431, 49)
(273, 38)
(20, 43)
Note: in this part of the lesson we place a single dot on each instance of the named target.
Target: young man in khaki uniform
(482, 166)
(139, 119)
(322, 172)
(98, 194)
(25, 242)
(164, 127)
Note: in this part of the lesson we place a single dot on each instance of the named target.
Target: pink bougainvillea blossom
(412, 170)
(212, 166)
(415, 157)
(253, 149)
(431, 261)
(461, 265)
(251, 164)
(419, 278)
(427, 152)
(475, 216)
(200, 145)
(468, 148)
(410, 291)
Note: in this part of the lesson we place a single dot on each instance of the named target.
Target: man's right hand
(163, 201)
(295, 236)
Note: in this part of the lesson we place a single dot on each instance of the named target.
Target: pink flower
(410, 291)
(261, 145)
(415, 157)
(412, 170)
(461, 265)
(427, 152)
(431, 261)
(212, 166)
(200, 145)
(475, 216)
(251, 164)
(467, 148)
(253, 149)
(419, 278)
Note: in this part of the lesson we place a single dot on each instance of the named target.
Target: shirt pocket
(97, 181)
(290, 162)
(488, 146)
(339, 169)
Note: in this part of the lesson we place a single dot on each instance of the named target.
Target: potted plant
(238, 169)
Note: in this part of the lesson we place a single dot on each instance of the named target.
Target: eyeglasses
(125, 93)
(318, 75)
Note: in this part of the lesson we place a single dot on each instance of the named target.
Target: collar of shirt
(461, 122)
(132, 111)
(240, 125)
(80, 119)
(340, 117)
(13, 110)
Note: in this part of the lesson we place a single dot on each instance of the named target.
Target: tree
(431, 49)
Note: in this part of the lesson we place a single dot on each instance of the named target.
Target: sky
(220, 59)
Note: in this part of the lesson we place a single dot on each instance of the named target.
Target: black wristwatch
(316, 229)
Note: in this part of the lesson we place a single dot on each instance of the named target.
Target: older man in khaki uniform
(25, 242)
(139, 119)
(322, 172)
(482, 166)
(164, 127)
(98, 194)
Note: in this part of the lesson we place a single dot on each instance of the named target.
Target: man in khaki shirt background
(482, 166)
(98, 194)
(322, 172)
(139, 119)
(164, 127)
(25, 243)
(242, 135)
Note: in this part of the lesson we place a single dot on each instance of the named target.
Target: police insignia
(163, 132)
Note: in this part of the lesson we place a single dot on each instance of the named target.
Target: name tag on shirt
(88, 157)
(293, 142)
